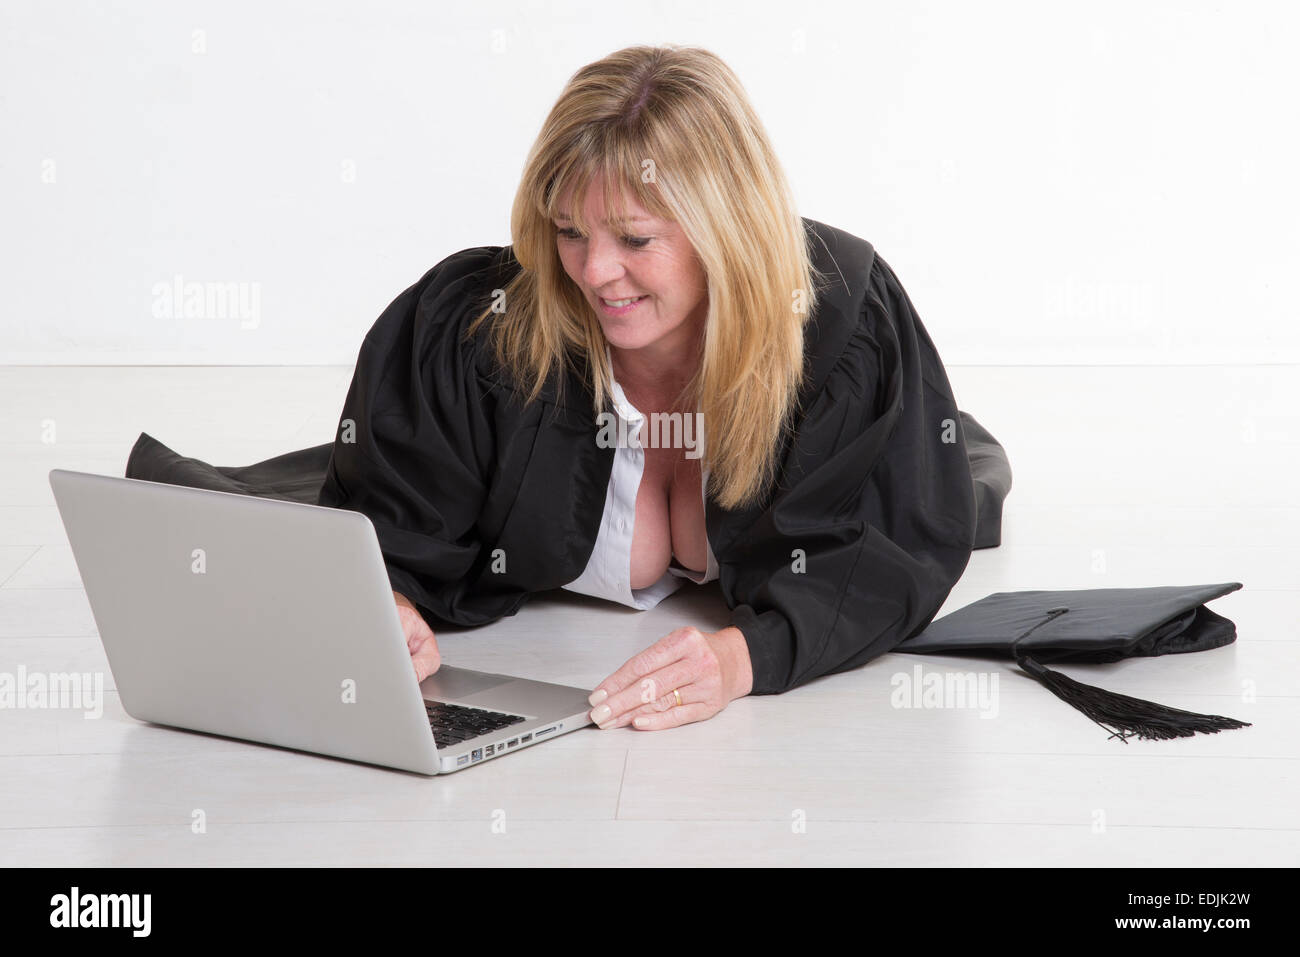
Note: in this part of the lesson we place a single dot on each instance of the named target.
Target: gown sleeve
(414, 449)
(873, 521)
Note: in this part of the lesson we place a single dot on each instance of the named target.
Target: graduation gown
(479, 501)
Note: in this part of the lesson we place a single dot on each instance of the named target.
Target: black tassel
(1123, 716)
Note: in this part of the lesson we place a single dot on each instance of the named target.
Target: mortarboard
(1092, 625)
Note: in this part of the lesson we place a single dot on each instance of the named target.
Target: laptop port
(525, 739)
(512, 742)
(477, 754)
(489, 750)
(538, 734)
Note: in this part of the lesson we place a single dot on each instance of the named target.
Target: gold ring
(677, 695)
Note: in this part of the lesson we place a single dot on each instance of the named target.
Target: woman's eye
(636, 242)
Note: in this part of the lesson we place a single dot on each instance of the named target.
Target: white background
(1102, 182)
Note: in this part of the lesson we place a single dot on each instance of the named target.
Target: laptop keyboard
(455, 723)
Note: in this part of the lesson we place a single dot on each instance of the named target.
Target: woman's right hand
(419, 638)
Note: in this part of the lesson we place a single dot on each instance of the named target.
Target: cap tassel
(1120, 714)
(1123, 716)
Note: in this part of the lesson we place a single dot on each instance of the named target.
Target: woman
(660, 275)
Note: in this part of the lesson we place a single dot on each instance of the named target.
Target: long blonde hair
(672, 127)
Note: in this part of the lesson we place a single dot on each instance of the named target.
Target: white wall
(1053, 183)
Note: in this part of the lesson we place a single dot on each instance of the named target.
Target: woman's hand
(419, 638)
(707, 670)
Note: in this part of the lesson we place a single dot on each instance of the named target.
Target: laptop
(274, 621)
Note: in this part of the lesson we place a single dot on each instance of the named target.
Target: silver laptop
(275, 622)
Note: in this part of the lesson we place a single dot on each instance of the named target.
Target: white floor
(1124, 476)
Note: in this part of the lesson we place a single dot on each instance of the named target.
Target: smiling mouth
(619, 303)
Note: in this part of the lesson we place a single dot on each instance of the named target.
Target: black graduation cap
(1092, 625)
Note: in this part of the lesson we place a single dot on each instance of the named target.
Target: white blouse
(608, 573)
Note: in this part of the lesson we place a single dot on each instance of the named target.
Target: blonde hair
(672, 127)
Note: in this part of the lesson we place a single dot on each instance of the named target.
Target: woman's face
(653, 260)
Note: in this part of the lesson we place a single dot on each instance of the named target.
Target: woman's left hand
(708, 670)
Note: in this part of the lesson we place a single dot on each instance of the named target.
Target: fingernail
(597, 696)
(601, 714)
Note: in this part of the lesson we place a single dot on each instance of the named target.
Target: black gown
(884, 489)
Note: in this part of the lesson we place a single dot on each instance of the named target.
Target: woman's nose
(603, 263)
